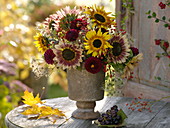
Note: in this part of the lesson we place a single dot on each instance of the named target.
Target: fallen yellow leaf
(34, 110)
(30, 100)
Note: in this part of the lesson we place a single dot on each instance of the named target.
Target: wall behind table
(144, 31)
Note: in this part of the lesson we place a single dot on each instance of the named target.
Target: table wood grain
(158, 118)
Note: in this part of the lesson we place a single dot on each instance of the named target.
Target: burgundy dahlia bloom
(135, 51)
(49, 56)
(78, 24)
(72, 35)
(93, 65)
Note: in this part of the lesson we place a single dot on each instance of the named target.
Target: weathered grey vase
(85, 88)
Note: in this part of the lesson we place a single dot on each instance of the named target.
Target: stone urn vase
(85, 88)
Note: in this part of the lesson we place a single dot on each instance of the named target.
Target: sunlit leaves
(38, 111)
(34, 110)
(29, 98)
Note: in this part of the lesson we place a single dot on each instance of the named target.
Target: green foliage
(55, 90)
(164, 18)
(153, 14)
(8, 99)
(156, 20)
(149, 17)
(148, 12)
(113, 82)
(122, 114)
(166, 25)
(128, 6)
(163, 44)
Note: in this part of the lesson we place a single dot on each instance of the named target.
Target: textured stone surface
(85, 86)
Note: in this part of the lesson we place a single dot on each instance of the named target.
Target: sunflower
(131, 65)
(65, 17)
(120, 51)
(68, 56)
(49, 23)
(96, 42)
(99, 16)
(41, 42)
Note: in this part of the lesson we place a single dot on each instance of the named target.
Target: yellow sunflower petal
(90, 34)
(89, 51)
(87, 47)
(106, 36)
(108, 45)
(99, 33)
(94, 53)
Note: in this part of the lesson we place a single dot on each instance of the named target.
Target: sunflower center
(44, 42)
(117, 49)
(68, 54)
(100, 18)
(97, 43)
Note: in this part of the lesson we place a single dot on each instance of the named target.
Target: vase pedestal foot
(85, 110)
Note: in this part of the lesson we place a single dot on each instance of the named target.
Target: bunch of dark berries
(110, 117)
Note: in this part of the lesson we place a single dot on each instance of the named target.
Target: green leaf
(164, 54)
(148, 12)
(4, 91)
(157, 78)
(154, 14)
(1, 81)
(149, 16)
(122, 114)
(164, 18)
(166, 25)
(157, 20)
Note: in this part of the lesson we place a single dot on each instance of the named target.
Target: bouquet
(84, 37)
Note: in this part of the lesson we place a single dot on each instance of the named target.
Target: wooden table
(158, 118)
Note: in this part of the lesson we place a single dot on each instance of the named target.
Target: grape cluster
(110, 117)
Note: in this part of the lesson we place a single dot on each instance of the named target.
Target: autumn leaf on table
(47, 111)
(38, 111)
(50, 113)
(34, 110)
(30, 100)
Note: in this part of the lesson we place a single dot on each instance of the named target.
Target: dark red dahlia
(93, 65)
(162, 5)
(49, 56)
(72, 35)
(78, 24)
(135, 51)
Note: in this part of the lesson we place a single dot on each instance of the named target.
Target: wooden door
(144, 31)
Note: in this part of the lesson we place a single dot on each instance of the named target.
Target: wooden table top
(158, 118)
